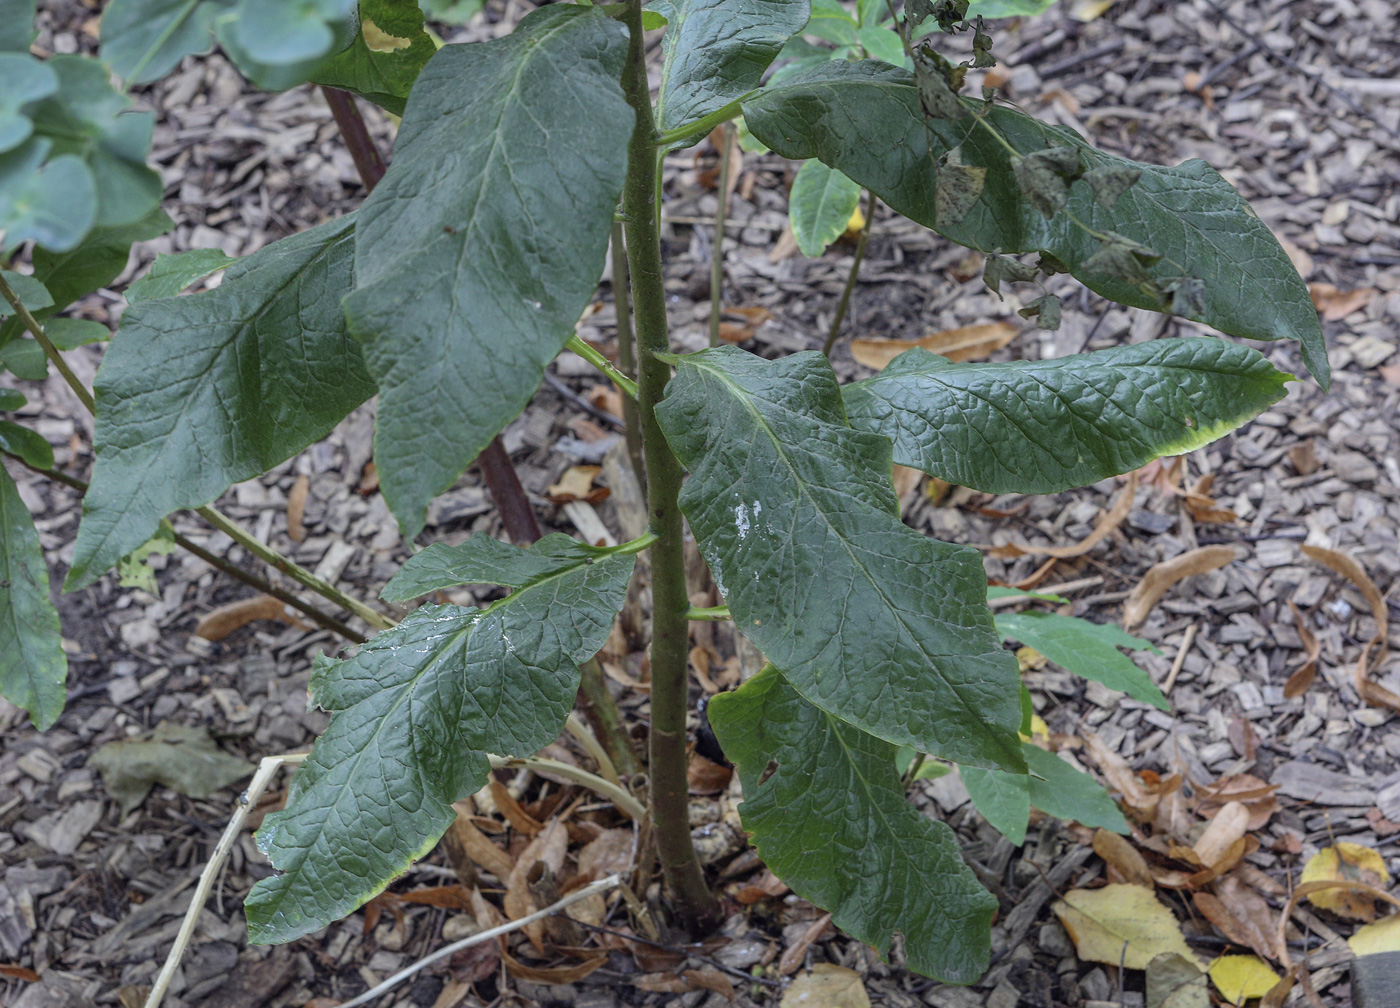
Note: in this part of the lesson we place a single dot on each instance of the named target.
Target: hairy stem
(691, 897)
(213, 560)
(626, 350)
(221, 522)
(717, 249)
(851, 277)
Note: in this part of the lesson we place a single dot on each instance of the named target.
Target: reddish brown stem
(363, 150)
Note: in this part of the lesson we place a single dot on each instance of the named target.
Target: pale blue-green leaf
(279, 33)
(143, 40)
(33, 668)
(794, 511)
(820, 206)
(414, 715)
(1087, 649)
(250, 374)
(50, 202)
(172, 273)
(23, 79)
(715, 51)
(828, 815)
(485, 240)
(865, 119)
(16, 25)
(1045, 426)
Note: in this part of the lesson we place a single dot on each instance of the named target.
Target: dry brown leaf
(219, 623)
(1303, 457)
(1346, 862)
(19, 972)
(1203, 507)
(1374, 653)
(1242, 737)
(1220, 917)
(1126, 864)
(296, 507)
(450, 897)
(550, 974)
(1390, 373)
(609, 853)
(512, 810)
(961, 344)
(1111, 519)
(742, 324)
(709, 978)
(795, 953)
(1302, 677)
(1222, 833)
(1250, 912)
(826, 986)
(549, 848)
(479, 848)
(575, 484)
(1257, 796)
(706, 777)
(1137, 795)
(1120, 924)
(1162, 576)
(1380, 825)
(1337, 304)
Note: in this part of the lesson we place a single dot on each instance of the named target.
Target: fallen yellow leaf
(1241, 977)
(827, 986)
(1382, 936)
(1346, 862)
(1120, 923)
(856, 224)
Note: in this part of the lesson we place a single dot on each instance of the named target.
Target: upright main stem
(691, 897)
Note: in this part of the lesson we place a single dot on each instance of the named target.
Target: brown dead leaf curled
(1375, 651)
(1335, 304)
(1302, 677)
(1250, 911)
(218, 623)
(961, 344)
(1123, 858)
(1120, 923)
(827, 986)
(1162, 576)
(1203, 507)
(1257, 796)
(1140, 798)
(1111, 519)
(549, 848)
(1224, 831)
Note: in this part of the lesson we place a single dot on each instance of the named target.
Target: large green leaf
(820, 206)
(1087, 649)
(865, 119)
(414, 715)
(1045, 426)
(478, 250)
(32, 664)
(1004, 799)
(715, 52)
(385, 58)
(794, 510)
(828, 815)
(197, 393)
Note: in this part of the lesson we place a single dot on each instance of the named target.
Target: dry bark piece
(1162, 576)
(1111, 519)
(960, 344)
(218, 623)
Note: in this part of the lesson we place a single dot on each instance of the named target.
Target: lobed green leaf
(826, 812)
(479, 249)
(795, 513)
(250, 374)
(865, 119)
(1045, 426)
(414, 715)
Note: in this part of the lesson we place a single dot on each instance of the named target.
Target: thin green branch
(50, 351)
(844, 304)
(710, 614)
(626, 350)
(704, 124)
(578, 346)
(691, 897)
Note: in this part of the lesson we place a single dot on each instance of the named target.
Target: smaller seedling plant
(458, 281)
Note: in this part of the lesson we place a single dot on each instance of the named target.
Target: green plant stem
(220, 521)
(626, 351)
(690, 896)
(703, 125)
(622, 381)
(717, 248)
(852, 276)
(50, 351)
(713, 613)
(214, 560)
